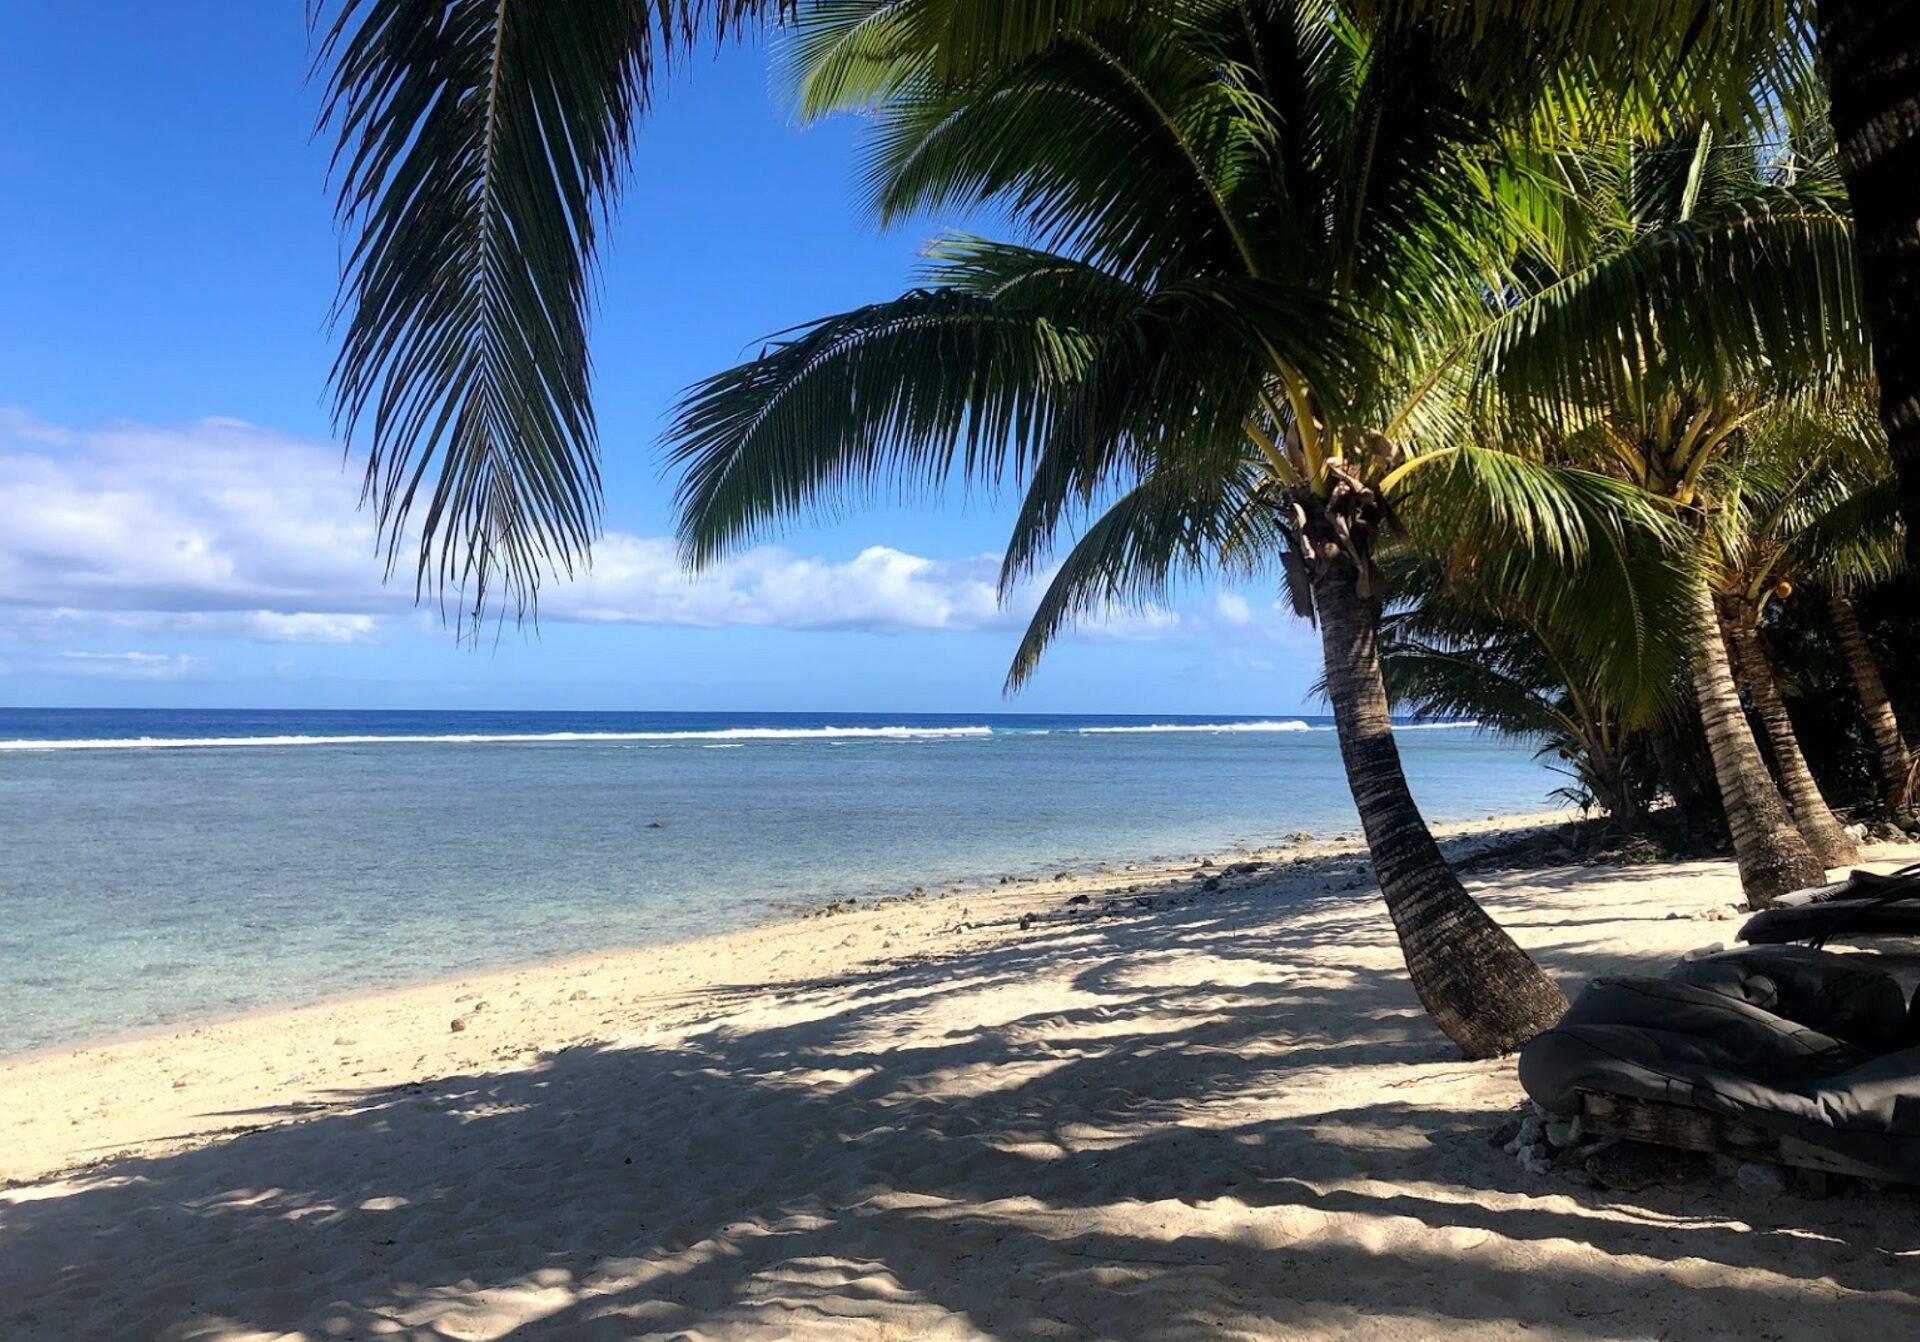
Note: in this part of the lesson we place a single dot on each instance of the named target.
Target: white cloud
(214, 517)
(1234, 608)
(309, 626)
(639, 580)
(126, 665)
(220, 528)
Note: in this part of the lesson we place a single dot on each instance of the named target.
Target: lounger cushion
(1680, 1043)
(1844, 918)
(1856, 998)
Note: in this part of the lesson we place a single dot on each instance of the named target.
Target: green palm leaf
(893, 396)
(478, 143)
(1758, 291)
(1123, 109)
(1589, 556)
(1022, 365)
(1658, 63)
(1478, 682)
(1186, 520)
(850, 55)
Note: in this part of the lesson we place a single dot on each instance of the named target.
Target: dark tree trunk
(1890, 756)
(1613, 790)
(1694, 795)
(1481, 989)
(1811, 814)
(1772, 856)
(1871, 52)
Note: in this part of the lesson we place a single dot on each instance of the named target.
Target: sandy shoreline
(1071, 881)
(1170, 1111)
(421, 1014)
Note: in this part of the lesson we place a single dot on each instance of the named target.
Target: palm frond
(853, 55)
(1590, 558)
(1762, 291)
(1116, 145)
(1021, 364)
(1476, 684)
(1185, 520)
(1653, 64)
(477, 146)
(893, 396)
(1857, 540)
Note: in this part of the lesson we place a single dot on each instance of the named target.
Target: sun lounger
(1865, 904)
(1782, 1053)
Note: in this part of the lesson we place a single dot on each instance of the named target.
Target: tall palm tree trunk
(1481, 989)
(1891, 758)
(1772, 857)
(1871, 51)
(1811, 814)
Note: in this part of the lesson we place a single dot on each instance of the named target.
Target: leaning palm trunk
(1481, 989)
(1890, 755)
(1811, 814)
(1772, 856)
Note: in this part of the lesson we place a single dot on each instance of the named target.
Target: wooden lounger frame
(1606, 1115)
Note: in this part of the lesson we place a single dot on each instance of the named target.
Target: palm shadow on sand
(1109, 1170)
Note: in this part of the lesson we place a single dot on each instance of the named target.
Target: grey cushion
(1852, 997)
(1707, 1047)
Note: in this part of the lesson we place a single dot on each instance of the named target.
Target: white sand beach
(1192, 1114)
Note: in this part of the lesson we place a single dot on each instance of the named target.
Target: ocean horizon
(168, 866)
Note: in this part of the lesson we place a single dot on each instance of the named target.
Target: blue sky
(177, 523)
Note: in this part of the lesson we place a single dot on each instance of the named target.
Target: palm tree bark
(1481, 989)
(1891, 758)
(1772, 857)
(1811, 814)
(1871, 53)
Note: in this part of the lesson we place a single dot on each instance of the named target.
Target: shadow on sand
(1170, 1154)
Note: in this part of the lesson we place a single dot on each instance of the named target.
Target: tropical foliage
(1455, 650)
(1521, 344)
(1697, 290)
(1255, 251)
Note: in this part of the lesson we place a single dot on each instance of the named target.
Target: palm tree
(1892, 760)
(1698, 286)
(1859, 59)
(1257, 244)
(480, 141)
(1834, 526)
(1457, 650)
(1770, 497)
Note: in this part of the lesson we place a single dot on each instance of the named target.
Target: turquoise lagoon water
(159, 867)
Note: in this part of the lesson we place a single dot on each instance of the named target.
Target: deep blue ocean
(160, 866)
